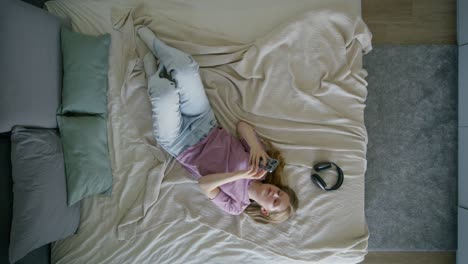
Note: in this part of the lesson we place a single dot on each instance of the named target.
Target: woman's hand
(257, 153)
(251, 173)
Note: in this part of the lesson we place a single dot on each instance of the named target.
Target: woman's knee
(183, 67)
(161, 87)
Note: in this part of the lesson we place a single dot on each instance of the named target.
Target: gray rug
(411, 119)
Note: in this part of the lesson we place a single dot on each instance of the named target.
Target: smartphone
(270, 165)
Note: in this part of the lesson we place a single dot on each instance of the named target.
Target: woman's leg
(184, 71)
(167, 119)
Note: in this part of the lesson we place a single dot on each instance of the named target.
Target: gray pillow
(87, 165)
(30, 66)
(85, 66)
(40, 211)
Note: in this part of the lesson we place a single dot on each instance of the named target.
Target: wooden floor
(411, 21)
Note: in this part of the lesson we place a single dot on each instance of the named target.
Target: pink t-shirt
(221, 152)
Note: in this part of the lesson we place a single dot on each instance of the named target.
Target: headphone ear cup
(322, 166)
(319, 181)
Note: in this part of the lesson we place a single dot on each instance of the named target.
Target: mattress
(295, 71)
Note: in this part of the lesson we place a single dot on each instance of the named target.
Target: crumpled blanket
(304, 88)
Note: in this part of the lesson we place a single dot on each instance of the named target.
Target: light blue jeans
(181, 113)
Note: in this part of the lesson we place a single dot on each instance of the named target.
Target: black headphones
(320, 182)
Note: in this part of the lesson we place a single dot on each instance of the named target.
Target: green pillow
(87, 165)
(85, 67)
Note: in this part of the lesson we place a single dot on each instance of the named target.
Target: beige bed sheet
(241, 20)
(301, 84)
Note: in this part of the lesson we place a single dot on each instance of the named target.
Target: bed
(296, 75)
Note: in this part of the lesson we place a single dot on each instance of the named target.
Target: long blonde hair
(274, 178)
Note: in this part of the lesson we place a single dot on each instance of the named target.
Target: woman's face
(272, 198)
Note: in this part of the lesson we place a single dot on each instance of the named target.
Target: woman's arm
(247, 132)
(210, 183)
(257, 151)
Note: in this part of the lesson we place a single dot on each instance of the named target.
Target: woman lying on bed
(185, 126)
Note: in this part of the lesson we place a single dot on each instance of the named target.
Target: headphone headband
(320, 182)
